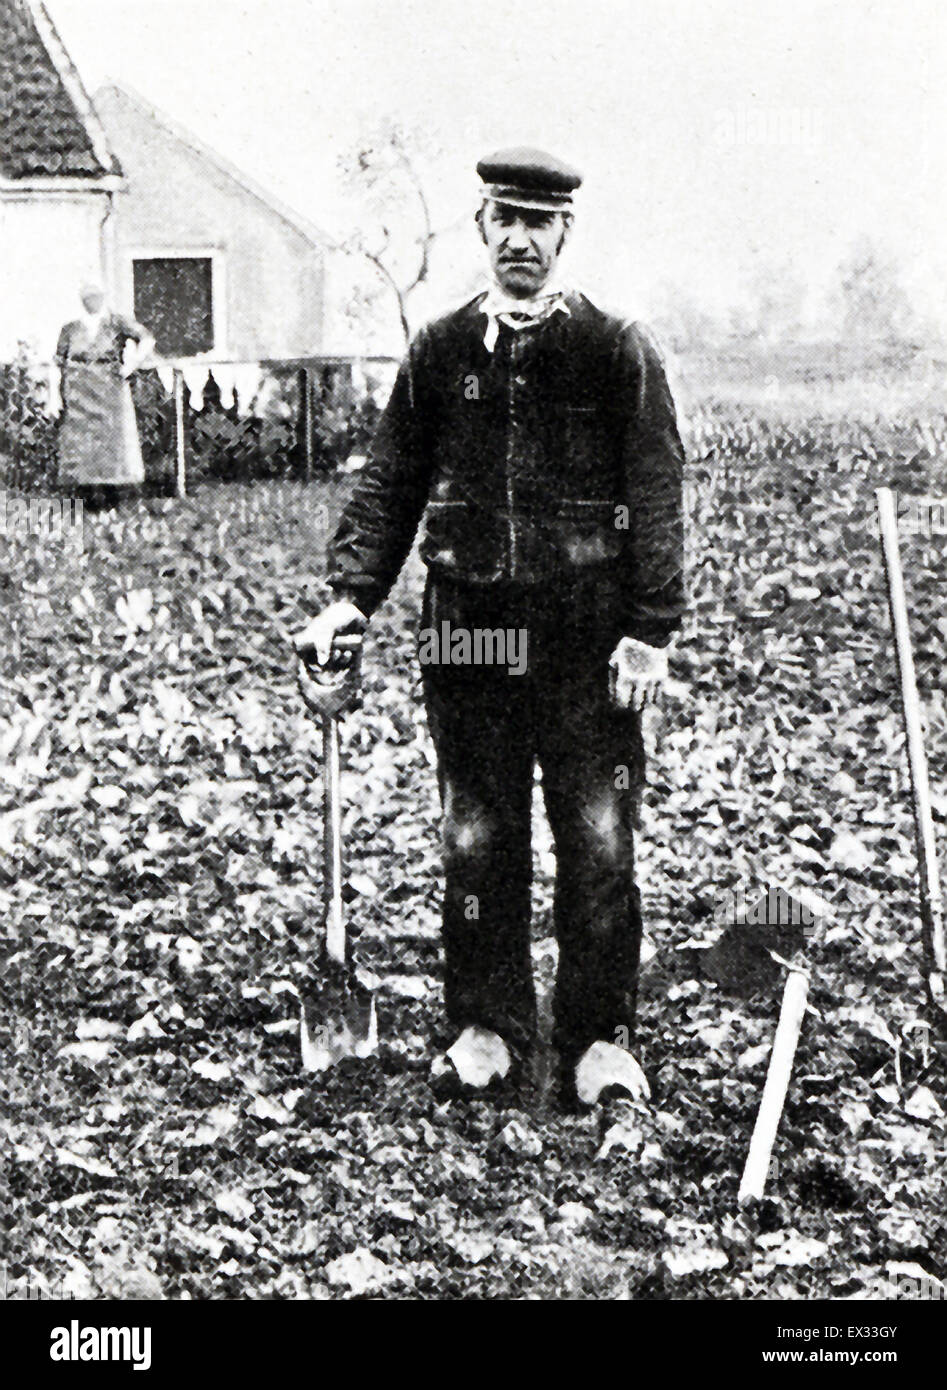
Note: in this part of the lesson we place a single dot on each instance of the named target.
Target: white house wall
(50, 243)
(178, 203)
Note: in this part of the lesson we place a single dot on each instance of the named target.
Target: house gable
(124, 111)
(48, 128)
(199, 244)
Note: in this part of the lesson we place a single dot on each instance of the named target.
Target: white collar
(93, 322)
(500, 307)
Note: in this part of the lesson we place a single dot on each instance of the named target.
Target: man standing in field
(533, 438)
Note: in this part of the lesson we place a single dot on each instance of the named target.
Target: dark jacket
(555, 453)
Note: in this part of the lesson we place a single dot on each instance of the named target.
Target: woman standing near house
(99, 449)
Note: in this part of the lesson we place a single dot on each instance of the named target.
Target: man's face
(92, 300)
(523, 245)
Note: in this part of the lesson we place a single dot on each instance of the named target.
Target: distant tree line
(867, 304)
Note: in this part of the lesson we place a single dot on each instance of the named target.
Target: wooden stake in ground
(932, 919)
(180, 445)
(777, 1082)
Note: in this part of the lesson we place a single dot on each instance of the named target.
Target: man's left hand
(637, 674)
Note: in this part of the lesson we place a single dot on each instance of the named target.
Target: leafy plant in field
(160, 902)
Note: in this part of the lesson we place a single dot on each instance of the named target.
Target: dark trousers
(489, 728)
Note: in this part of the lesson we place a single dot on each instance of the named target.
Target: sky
(717, 138)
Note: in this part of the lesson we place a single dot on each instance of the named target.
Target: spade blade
(741, 959)
(337, 1018)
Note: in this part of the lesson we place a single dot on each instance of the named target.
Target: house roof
(48, 127)
(122, 93)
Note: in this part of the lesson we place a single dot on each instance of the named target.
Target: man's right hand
(317, 643)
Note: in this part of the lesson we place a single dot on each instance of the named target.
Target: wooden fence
(226, 419)
(323, 385)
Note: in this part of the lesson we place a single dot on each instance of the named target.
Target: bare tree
(396, 236)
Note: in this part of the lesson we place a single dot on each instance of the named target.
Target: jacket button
(520, 380)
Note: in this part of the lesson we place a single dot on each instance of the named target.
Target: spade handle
(332, 840)
(333, 689)
(773, 1099)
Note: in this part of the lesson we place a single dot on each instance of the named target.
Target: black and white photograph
(473, 724)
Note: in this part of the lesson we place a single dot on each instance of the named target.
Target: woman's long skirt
(98, 437)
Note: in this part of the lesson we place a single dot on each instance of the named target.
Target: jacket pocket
(585, 532)
(462, 538)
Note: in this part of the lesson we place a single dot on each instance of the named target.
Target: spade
(337, 1011)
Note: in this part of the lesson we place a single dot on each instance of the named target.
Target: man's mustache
(519, 260)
